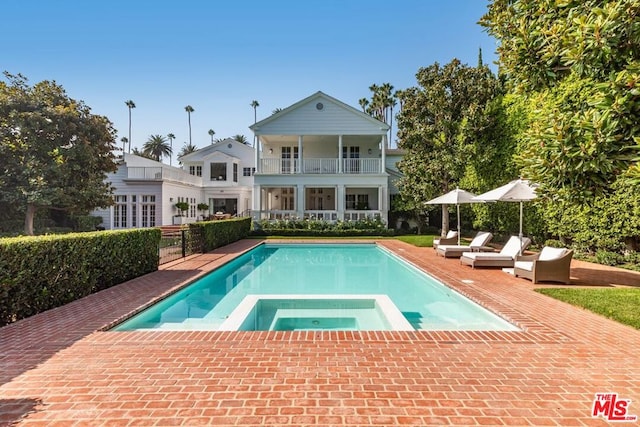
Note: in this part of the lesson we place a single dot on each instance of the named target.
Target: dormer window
(195, 170)
(218, 172)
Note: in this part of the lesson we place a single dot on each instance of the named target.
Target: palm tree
(240, 138)
(189, 109)
(130, 104)
(156, 147)
(171, 138)
(124, 141)
(211, 133)
(186, 149)
(254, 105)
(364, 103)
(277, 110)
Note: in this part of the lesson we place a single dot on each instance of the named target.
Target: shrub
(609, 258)
(43, 272)
(213, 234)
(314, 227)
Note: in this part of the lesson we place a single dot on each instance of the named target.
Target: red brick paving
(60, 369)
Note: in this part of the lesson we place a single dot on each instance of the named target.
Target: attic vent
(319, 106)
(229, 145)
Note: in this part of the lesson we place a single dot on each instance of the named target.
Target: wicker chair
(550, 265)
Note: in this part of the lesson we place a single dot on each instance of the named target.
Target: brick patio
(60, 368)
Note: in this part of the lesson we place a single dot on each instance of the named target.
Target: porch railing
(320, 166)
(360, 215)
(321, 215)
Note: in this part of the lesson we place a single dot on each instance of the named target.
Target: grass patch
(619, 304)
(417, 240)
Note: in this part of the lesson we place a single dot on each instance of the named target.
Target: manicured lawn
(619, 304)
(417, 240)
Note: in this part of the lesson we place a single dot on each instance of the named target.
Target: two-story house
(320, 158)
(146, 191)
(226, 169)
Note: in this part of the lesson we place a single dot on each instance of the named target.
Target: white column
(257, 154)
(383, 149)
(300, 200)
(299, 170)
(339, 153)
(381, 200)
(340, 202)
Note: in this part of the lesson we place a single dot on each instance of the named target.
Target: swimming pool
(317, 269)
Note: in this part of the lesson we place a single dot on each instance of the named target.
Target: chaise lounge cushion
(477, 244)
(505, 258)
(450, 239)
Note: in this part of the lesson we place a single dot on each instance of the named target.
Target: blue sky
(218, 56)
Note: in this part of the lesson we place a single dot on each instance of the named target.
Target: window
(195, 170)
(235, 172)
(350, 200)
(357, 201)
(218, 172)
(350, 156)
(134, 212)
(192, 207)
(148, 207)
(289, 158)
(120, 212)
(248, 171)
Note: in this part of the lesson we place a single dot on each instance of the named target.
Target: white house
(320, 158)
(146, 191)
(226, 170)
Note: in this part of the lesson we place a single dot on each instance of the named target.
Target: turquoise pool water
(317, 269)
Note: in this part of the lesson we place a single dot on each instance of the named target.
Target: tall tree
(240, 138)
(157, 147)
(189, 109)
(130, 105)
(171, 137)
(578, 63)
(364, 103)
(124, 141)
(255, 105)
(55, 153)
(211, 133)
(439, 125)
(186, 149)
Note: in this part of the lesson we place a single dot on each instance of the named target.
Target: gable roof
(320, 114)
(209, 149)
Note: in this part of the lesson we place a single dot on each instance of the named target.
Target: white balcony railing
(359, 215)
(321, 215)
(320, 166)
(160, 173)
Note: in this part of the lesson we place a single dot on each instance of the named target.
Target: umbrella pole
(520, 234)
(458, 210)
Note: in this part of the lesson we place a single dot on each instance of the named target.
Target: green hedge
(213, 234)
(322, 233)
(43, 272)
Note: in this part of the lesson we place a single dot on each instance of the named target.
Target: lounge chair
(550, 265)
(478, 244)
(505, 258)
(450, 239)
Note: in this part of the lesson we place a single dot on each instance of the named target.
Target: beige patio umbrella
(455, 197)
(519, 190)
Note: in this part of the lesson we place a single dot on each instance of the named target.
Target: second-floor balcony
(320, 166)
(162, 174)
